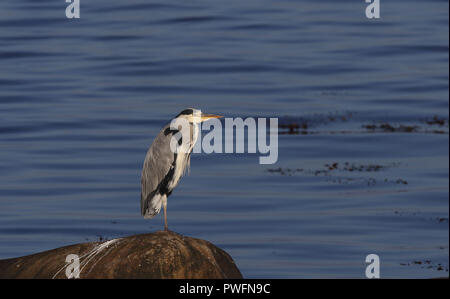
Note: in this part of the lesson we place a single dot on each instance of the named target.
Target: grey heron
(163, 168)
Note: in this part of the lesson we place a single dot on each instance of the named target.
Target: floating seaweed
(307, 125)
(436, 120)
(386, 127)
(427, 264)
(332, 168)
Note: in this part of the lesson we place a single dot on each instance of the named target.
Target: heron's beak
(205, 117)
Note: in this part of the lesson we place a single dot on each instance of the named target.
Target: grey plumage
(156, 166)
(163, 169)
(159, 172)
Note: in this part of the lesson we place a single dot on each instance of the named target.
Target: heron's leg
(164, 202)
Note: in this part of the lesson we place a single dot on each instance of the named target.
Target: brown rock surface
(156, 255)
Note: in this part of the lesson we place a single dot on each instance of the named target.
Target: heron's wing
(157, 164)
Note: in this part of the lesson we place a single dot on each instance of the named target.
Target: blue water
(81, 101)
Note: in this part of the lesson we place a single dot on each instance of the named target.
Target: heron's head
(196, 116)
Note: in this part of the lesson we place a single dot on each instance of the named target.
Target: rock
(156, 255)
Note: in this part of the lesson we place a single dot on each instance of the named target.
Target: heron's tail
(151, 206)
